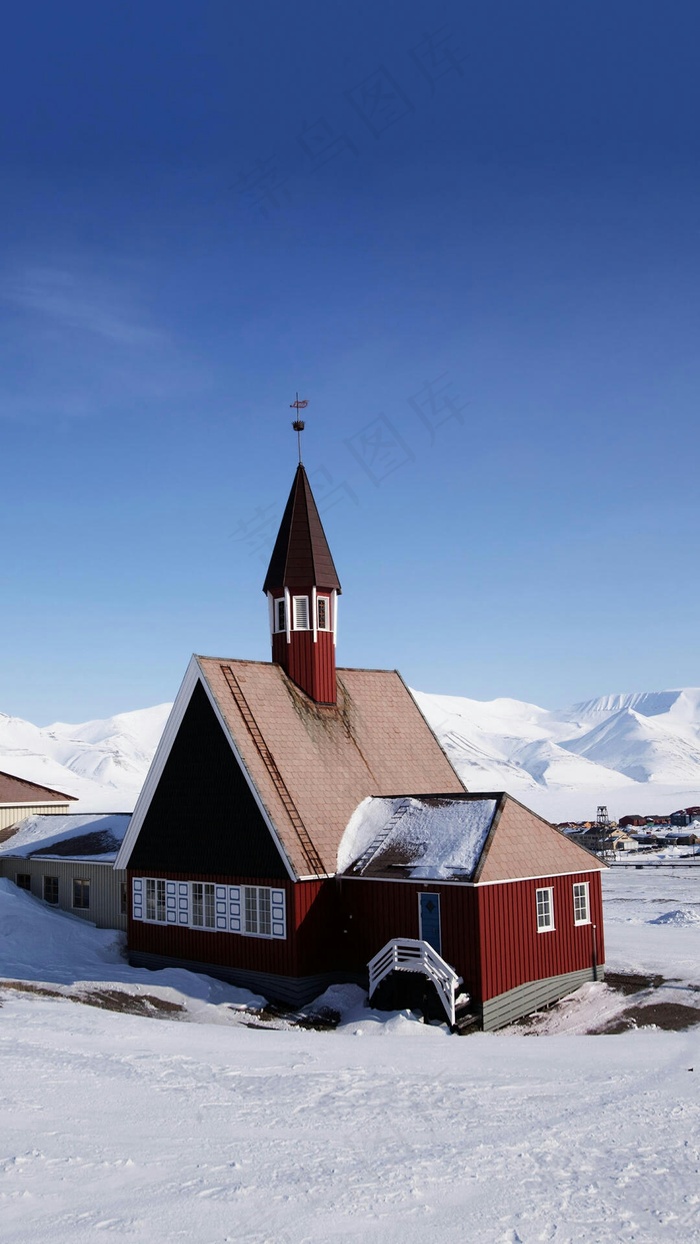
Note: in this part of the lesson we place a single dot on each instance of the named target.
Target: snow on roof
(77, 836)
(427, 837)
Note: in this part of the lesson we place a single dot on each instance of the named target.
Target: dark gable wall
(203, 817)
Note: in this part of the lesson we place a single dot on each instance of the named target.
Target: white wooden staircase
(407, 954)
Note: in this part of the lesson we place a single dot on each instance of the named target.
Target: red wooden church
(300, 825)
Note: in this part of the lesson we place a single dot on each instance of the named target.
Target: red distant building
(300, 821)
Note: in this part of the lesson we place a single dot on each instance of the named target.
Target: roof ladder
(369, 853)
(313, 859)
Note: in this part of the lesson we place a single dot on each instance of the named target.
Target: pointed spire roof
(301, 557)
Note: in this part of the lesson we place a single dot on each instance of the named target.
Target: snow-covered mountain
(636, 753)
(102, 763)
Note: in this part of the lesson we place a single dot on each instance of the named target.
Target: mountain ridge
(636, 752)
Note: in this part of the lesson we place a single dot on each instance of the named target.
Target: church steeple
(302, 587)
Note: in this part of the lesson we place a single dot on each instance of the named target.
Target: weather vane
(298, 425)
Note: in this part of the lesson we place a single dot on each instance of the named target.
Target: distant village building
(300, 825)
(68, 861)
(20, 798)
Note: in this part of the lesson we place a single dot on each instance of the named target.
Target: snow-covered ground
(114, 1125)
(635, 753)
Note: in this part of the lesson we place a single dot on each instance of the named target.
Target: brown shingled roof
(523, 844)
(510, 843)
(17, 790)
(313, 764)
(301, 556)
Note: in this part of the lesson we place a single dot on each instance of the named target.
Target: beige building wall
(107, 886)
(11, 813)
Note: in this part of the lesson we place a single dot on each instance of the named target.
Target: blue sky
(469, 235)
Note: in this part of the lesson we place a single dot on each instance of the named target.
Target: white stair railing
(406, 954)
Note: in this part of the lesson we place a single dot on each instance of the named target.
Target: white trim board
(472, 885)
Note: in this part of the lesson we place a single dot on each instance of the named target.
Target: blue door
(430, 920)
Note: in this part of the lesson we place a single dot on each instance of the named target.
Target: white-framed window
(203, 905)
(545, 909)
(253, 911)
(280, 615)
(257, 911)
(301, 613)
(323, 613)
(582, 910)
(155, 899)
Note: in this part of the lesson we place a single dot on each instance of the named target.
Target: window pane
(81, 893)
(322, 613)
(581, 915)
(24, 881)
(264, 912)
(155, 899)
(209, 906)
(51, 890)
(281, 624)
(544, 909)
(122, 899)
(197, 904)
(251, 909)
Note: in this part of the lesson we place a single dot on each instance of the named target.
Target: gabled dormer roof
(301, 557)
(479, 838)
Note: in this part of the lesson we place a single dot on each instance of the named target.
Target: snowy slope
(206, 1129)
(102, 763)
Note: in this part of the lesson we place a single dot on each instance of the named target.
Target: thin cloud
(69, 301)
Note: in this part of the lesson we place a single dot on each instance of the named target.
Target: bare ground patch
(671, 1016)
(631, 982)
(106, 999)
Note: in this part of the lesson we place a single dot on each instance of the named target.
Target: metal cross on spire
(298, 425)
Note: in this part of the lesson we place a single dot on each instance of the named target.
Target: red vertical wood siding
(310, 665)
(514, 952)
(317, 927)
(374, 912)
(489, 933)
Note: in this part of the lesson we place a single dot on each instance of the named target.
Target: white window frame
(268, 903)
(581, 890)
(279, 600)
(257, 911)
(153, 888)
(323, 600)
(206, 892)
(299, 604)
(544, 909)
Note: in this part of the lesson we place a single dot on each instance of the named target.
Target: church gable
(202, 817)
